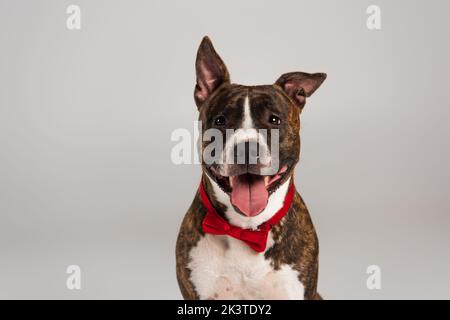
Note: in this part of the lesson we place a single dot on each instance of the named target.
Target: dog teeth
(266, 180)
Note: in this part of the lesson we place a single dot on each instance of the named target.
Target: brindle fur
(295, 240)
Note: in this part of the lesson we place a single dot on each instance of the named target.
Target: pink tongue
(249, 194)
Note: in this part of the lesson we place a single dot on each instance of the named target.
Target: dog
(248, 233)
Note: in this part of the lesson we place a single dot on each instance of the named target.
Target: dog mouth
(249, 193)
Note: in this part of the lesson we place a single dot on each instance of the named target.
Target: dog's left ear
(300, 85)
(211, 72)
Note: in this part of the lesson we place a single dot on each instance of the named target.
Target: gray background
(86, 118)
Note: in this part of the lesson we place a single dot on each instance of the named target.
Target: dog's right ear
(211, 72)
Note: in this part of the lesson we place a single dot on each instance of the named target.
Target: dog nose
(246, 152)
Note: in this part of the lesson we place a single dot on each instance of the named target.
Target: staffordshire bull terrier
(248, 233)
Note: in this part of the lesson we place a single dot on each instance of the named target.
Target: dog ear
(211, 72)
(300, 85)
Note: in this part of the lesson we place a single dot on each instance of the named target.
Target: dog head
(251, 140)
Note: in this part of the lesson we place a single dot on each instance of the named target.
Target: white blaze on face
(249, 192)
(246, 133)
(247, 122)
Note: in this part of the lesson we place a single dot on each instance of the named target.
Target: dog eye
(220, 121)
(274, 120)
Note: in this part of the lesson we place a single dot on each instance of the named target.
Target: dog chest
(222, 267)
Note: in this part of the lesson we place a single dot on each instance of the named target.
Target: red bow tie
(256, 239)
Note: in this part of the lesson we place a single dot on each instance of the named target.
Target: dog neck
(221, 200)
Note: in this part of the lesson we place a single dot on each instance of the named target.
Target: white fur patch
(246, 133)
(226, 268)
(247, 122)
